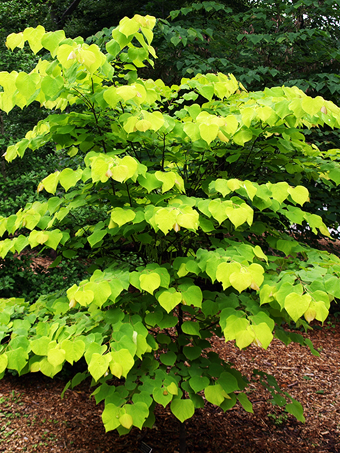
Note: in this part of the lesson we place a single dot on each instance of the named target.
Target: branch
(60, 20)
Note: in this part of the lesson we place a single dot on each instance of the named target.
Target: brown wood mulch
(33, 418)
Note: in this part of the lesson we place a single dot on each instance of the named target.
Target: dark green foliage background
(263, 43)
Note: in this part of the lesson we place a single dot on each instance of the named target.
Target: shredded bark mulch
(33, 417)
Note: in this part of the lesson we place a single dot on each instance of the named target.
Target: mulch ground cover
(33, 417)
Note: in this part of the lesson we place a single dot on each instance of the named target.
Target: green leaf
(191, 328)
(96, 237)
(198, 383)
(228, 382)
(192, 352)
(168, 358)
(246, 404)
(52, 86)
(295, 408)
(182, 409)
(150, 182)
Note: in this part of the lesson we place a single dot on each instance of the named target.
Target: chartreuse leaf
(299, 194)
(168, 179)
(169, 299)
(15, 40)
(69, 178)
(191, 295)
(47, 368)
(74, 350)
(139, 412)
(215, 394)
(110, 417)
(182, 409)
(187, 218)
(162, 396)
(150, 282)
(245, 337)
(99, 365)
(172, 388)
(56, 356)
(319, 310)
(297, 305)
(225, 270)
(165, 219)
(263, 335)
(84, 297)
(40, 345)
(51, 40)
(208, 132)
(34, 36)
(221, 186)
(124, 358)
(217, 208)
(122, 216)
(3, 362)
(237, 215)
(234, 327)
(50, 183)
(126, 421)
(101, 291)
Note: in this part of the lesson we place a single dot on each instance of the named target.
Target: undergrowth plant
(182, 243)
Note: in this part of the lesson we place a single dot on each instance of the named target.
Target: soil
(33, 417)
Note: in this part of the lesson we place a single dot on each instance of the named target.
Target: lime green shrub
(182, 244)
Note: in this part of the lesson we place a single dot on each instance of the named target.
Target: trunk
(182, 438)
(3, 162)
